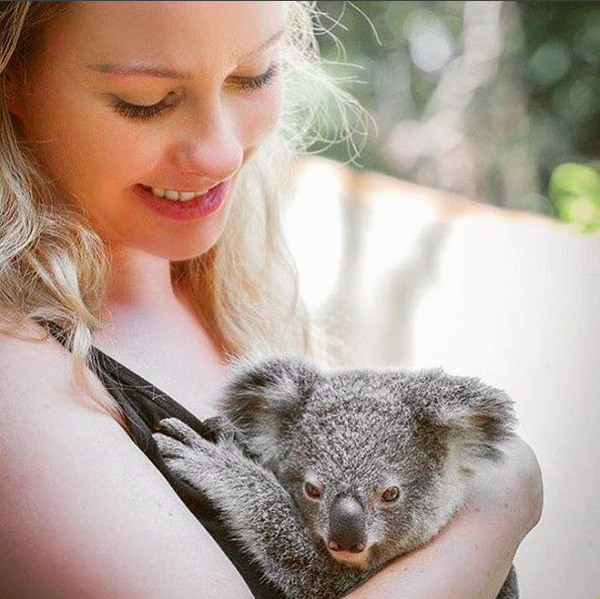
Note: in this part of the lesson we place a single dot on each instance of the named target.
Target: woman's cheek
(84, 146)
(260, 114)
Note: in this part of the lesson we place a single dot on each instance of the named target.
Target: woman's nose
(210, 149)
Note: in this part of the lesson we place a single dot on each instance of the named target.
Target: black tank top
(144, 405)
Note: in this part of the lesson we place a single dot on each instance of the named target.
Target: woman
(112, 115)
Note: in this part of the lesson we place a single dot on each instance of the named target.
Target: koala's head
(376, 460)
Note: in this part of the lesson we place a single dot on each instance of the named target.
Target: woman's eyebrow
(153, 70)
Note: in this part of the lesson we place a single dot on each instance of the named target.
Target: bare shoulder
(29, 356)
(82, 511)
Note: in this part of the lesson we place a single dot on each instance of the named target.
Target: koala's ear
(474, 416)
(264, 397)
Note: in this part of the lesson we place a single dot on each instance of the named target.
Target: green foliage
(575, 192)
(560, 77)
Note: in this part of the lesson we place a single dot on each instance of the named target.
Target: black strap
(114, 374)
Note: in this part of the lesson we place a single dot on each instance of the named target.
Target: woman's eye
(249, 83)
(137, 112)
(134, 111)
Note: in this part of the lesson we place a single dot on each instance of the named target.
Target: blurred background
(459, 226)
(485, 99)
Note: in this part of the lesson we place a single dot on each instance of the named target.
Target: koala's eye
(391, 494)
(312, 490)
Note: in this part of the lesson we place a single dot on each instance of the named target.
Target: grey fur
(352, 433)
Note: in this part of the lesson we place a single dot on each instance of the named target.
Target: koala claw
(177, 441)
(168, 447)
(181, 432)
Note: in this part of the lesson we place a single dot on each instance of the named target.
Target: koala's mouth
(357, 561)
(360, 561)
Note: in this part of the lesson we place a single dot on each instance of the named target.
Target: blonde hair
(54, 266)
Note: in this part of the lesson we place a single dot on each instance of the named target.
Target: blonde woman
(112, 115)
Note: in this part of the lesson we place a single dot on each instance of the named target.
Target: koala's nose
(347, 525)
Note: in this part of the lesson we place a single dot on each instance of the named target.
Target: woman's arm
(471, 557)
(83, 513)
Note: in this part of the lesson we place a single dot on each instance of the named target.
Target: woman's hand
(471, 557)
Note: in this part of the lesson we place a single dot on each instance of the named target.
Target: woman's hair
(54, 266)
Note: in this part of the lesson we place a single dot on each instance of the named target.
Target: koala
(326, 476)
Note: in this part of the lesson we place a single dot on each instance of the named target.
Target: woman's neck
(140, 281)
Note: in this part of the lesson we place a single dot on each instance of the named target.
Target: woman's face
(211, 113)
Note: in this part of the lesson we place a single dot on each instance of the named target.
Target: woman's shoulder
(28, 354)
(31, 359)
(36, 381)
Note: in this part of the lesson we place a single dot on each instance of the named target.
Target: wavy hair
(55, 267)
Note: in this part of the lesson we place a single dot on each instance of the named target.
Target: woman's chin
(175, 253)
(187, 244)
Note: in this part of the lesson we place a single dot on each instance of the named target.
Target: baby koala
(326, 476)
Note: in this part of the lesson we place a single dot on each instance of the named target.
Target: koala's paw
(178, 430)
(183, 450)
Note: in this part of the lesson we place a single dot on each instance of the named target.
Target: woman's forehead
(186, 35)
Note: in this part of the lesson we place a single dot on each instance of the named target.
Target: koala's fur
(352, 434)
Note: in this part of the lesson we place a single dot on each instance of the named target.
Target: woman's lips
(190, 210)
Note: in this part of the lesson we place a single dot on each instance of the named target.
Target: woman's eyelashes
(251, 83)
(137, 112)
(133, 111)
